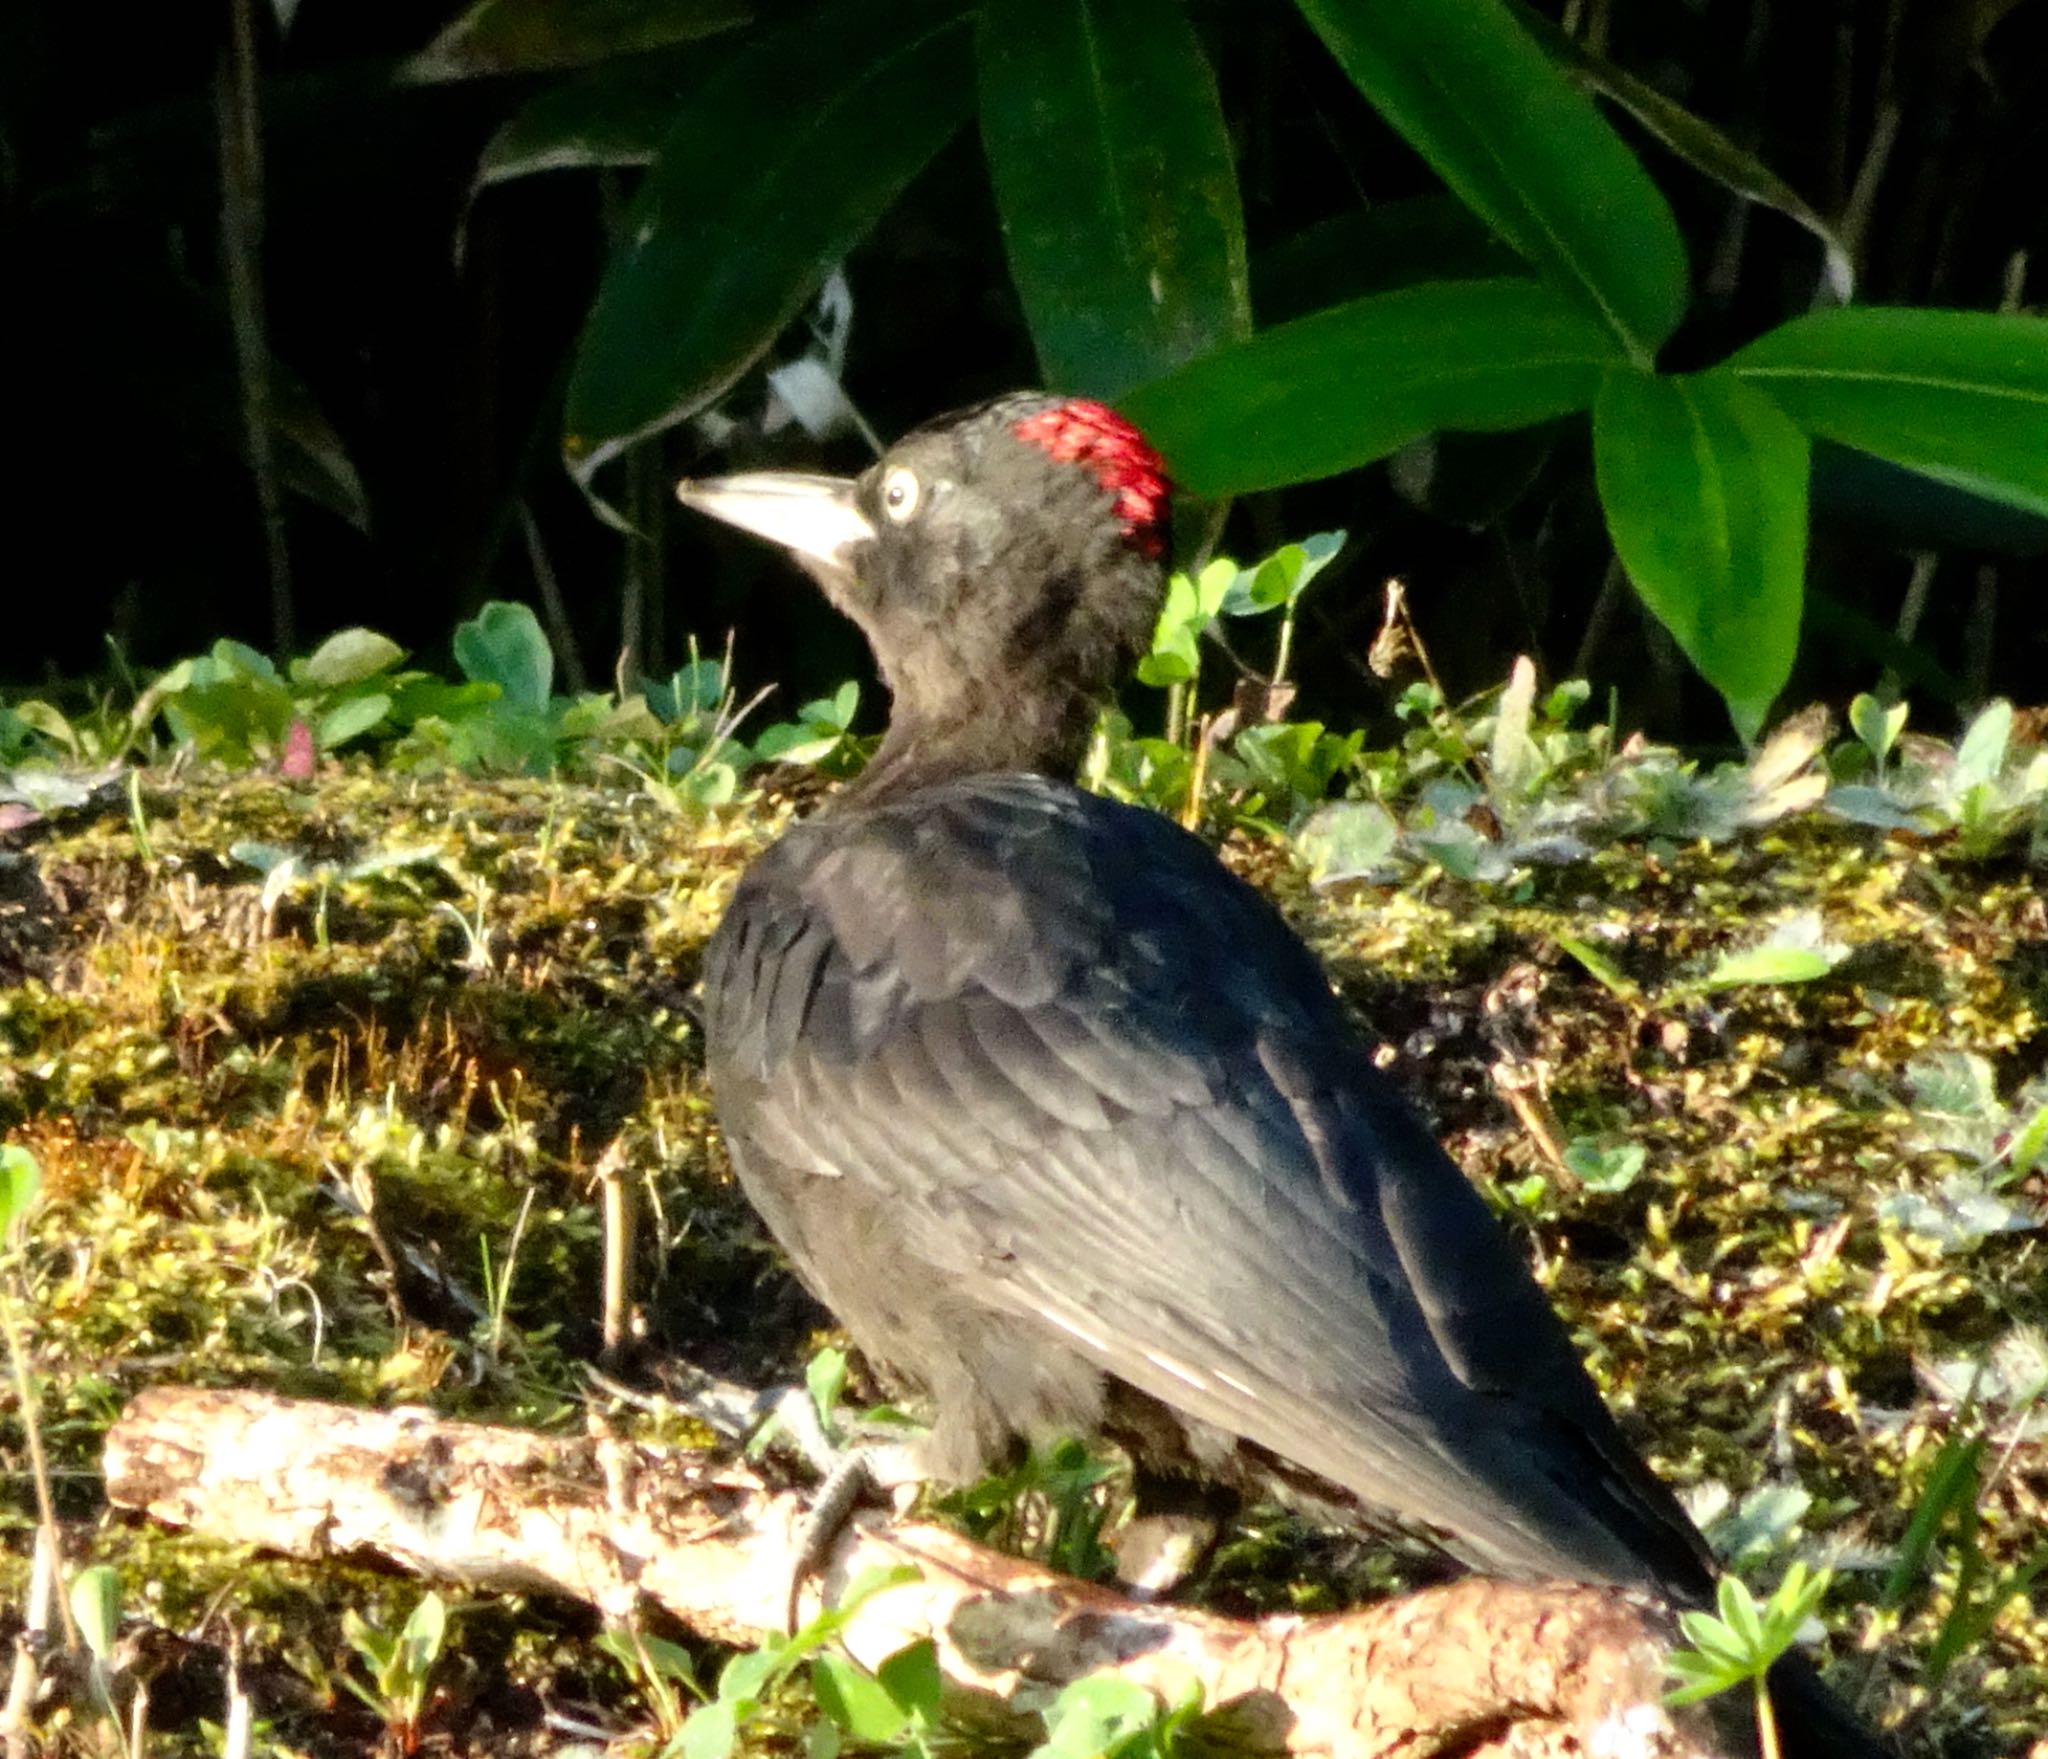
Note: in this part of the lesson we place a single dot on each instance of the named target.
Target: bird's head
(1005, 563)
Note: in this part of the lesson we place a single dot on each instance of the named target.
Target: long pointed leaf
(1113, 170)
(1352, 384)
(518, 36)
(1704, 485)
(776, 169)
(1499, 122)
(1698, 142)
(612, 114)
(1960, 395)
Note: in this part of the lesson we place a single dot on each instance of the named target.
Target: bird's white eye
(901, 493)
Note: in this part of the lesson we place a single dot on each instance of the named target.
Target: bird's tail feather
(1813, 1723)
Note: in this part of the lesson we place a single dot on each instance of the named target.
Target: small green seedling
(401, 1667)
(666, 1675)
(749, 1683)
(1605, 1169)
(1106, 1717)
(1740, 1641)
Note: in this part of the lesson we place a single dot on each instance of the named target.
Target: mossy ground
(345, 1146)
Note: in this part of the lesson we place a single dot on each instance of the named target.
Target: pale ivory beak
(813, 516)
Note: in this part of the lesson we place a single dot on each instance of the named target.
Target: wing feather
(1064, 1066)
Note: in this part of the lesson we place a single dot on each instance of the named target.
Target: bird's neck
(1044, 732)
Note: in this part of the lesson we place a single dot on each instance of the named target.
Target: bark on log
(1474, 1668)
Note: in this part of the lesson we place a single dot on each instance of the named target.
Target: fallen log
(1477, 1667)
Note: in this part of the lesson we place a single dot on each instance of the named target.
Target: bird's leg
(847, 1476)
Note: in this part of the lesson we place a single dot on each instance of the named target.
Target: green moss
(281, 1146)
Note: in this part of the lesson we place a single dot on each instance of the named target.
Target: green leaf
(1702, 1678)
(423, 1635)
(1796, 951)
(795, 742)
(1346, 386)
(1374, 250)
(1704, 485)
(1738, 1612)
(21, 1183)
(1601, 969)
(711, 1730)
(1282, 577)
(912, 1677)
(503, 645)
(1878, 725)
(351, 719)
(825, 1380)
(1190, 606)
(778, 167)
(1716, 1642)
(1961, 396)
(614, 114)
(520, 36)
(1981, 754)
(748, 1673)
(1498, 121)
(237, 657)
(1699, 143)
(856, 1701)
(1605, 1170)
(96, 1605)
(1117, 186)
(349, 656)
(1093, 1713)
(2029, 1146)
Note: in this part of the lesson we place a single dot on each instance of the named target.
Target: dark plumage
(1051, 1110)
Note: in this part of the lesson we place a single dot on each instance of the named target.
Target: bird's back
(1035, 1092)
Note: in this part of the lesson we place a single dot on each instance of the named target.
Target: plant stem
(241, 237)
(1283, 650)
(38, 1463)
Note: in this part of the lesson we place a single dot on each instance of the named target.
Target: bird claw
(853, 1475)
(847, 1476)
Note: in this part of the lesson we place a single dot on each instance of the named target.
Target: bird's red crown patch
(1116, 455)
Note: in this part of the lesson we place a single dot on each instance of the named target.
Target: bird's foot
(869, 1468)
(856, 1475)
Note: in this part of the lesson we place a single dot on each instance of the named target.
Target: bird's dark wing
(1013, 1069)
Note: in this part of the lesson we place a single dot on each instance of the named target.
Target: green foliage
(1292, 404)
(401, 1666)
(96, 1606)
(1508, 783)
(797, 145)
(1054, 1506)
(1111, 165)
(231, 706)
(665, 1674)
(1950, 1504)
(1605, 1169)
(1107, 145)
(1984, 790)
(21, 1182)
(896, 1707)
(1737, 1643)
(1260, 767)
(1796, 951)
(750, 1682)
(1103, 1717)
(1704, 482)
